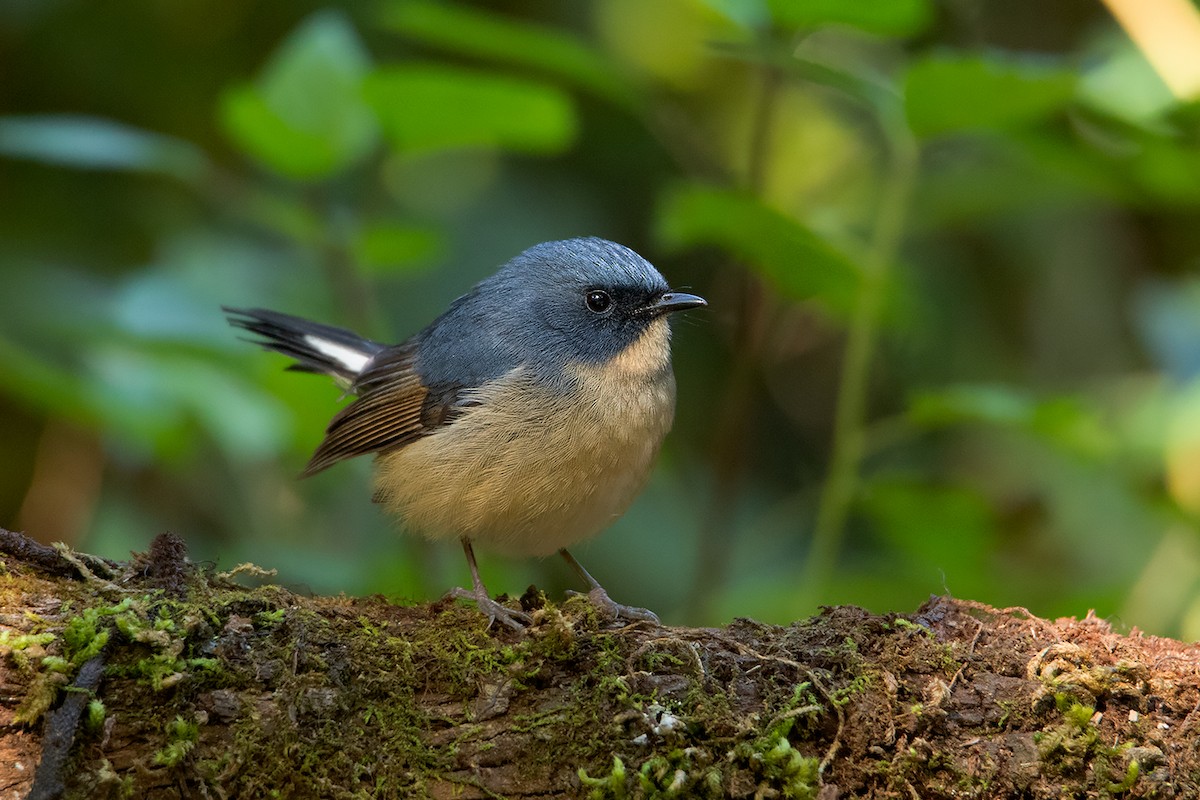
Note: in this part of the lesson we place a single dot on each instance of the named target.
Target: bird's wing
(394, 407)
(402, 397)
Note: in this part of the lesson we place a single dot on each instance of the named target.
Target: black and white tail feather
(324, 349)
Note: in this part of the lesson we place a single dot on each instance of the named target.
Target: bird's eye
(598, 301)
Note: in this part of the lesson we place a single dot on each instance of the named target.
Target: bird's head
(586, 301)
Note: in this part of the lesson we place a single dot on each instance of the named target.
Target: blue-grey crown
(589, 260)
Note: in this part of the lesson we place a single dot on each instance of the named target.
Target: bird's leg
(600, 598)
(494, 611)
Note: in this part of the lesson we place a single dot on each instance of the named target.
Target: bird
(525, 418)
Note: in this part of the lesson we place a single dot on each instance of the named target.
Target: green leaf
(1020, 172)
(483, 34)
(1116, 78)
(885, 17)
(148, 400)
(800, 263)
(1062, 421)
(390, 247)
(1168, 170)
(305, 116)
(863, 88)
(949, 93)
(96, 143)
(998, 405)
(427, 107)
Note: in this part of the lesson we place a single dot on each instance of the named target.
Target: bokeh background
(951, 248)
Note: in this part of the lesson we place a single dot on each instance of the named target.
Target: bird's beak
(675, 301)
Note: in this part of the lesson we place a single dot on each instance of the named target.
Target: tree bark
(156, 679)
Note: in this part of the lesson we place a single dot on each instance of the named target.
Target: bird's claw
(495, 612)
(614, 610)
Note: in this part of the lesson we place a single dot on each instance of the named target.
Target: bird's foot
(517, 620)
(614, 610)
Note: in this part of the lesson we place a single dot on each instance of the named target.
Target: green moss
(796, 775)
(57, 664)
(920, 763)
(1075, 744)
(776, 765)
(315, 746)
(15, 642)
(342, 680)
(162, 626)
(114, 785)
(844, 694)
(22, 649)
(1127, 782)
(607, 673)
(680, 773)
(94, 720)
(146, 620)
(1066, 748)
(269, 618)
(658, 660)
(160, 631)
(769, 761)
(40, 696)
(181, 738)
(608, 787)
(83, 639)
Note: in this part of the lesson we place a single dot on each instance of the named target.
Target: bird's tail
(324, 349)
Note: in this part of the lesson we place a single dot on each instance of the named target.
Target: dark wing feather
(286, 334)
(397, 404)
(394, 407)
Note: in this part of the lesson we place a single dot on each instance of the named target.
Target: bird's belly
(530, 470)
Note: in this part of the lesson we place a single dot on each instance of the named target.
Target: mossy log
(156, 679)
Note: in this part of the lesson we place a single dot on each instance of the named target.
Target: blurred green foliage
(950, 249)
